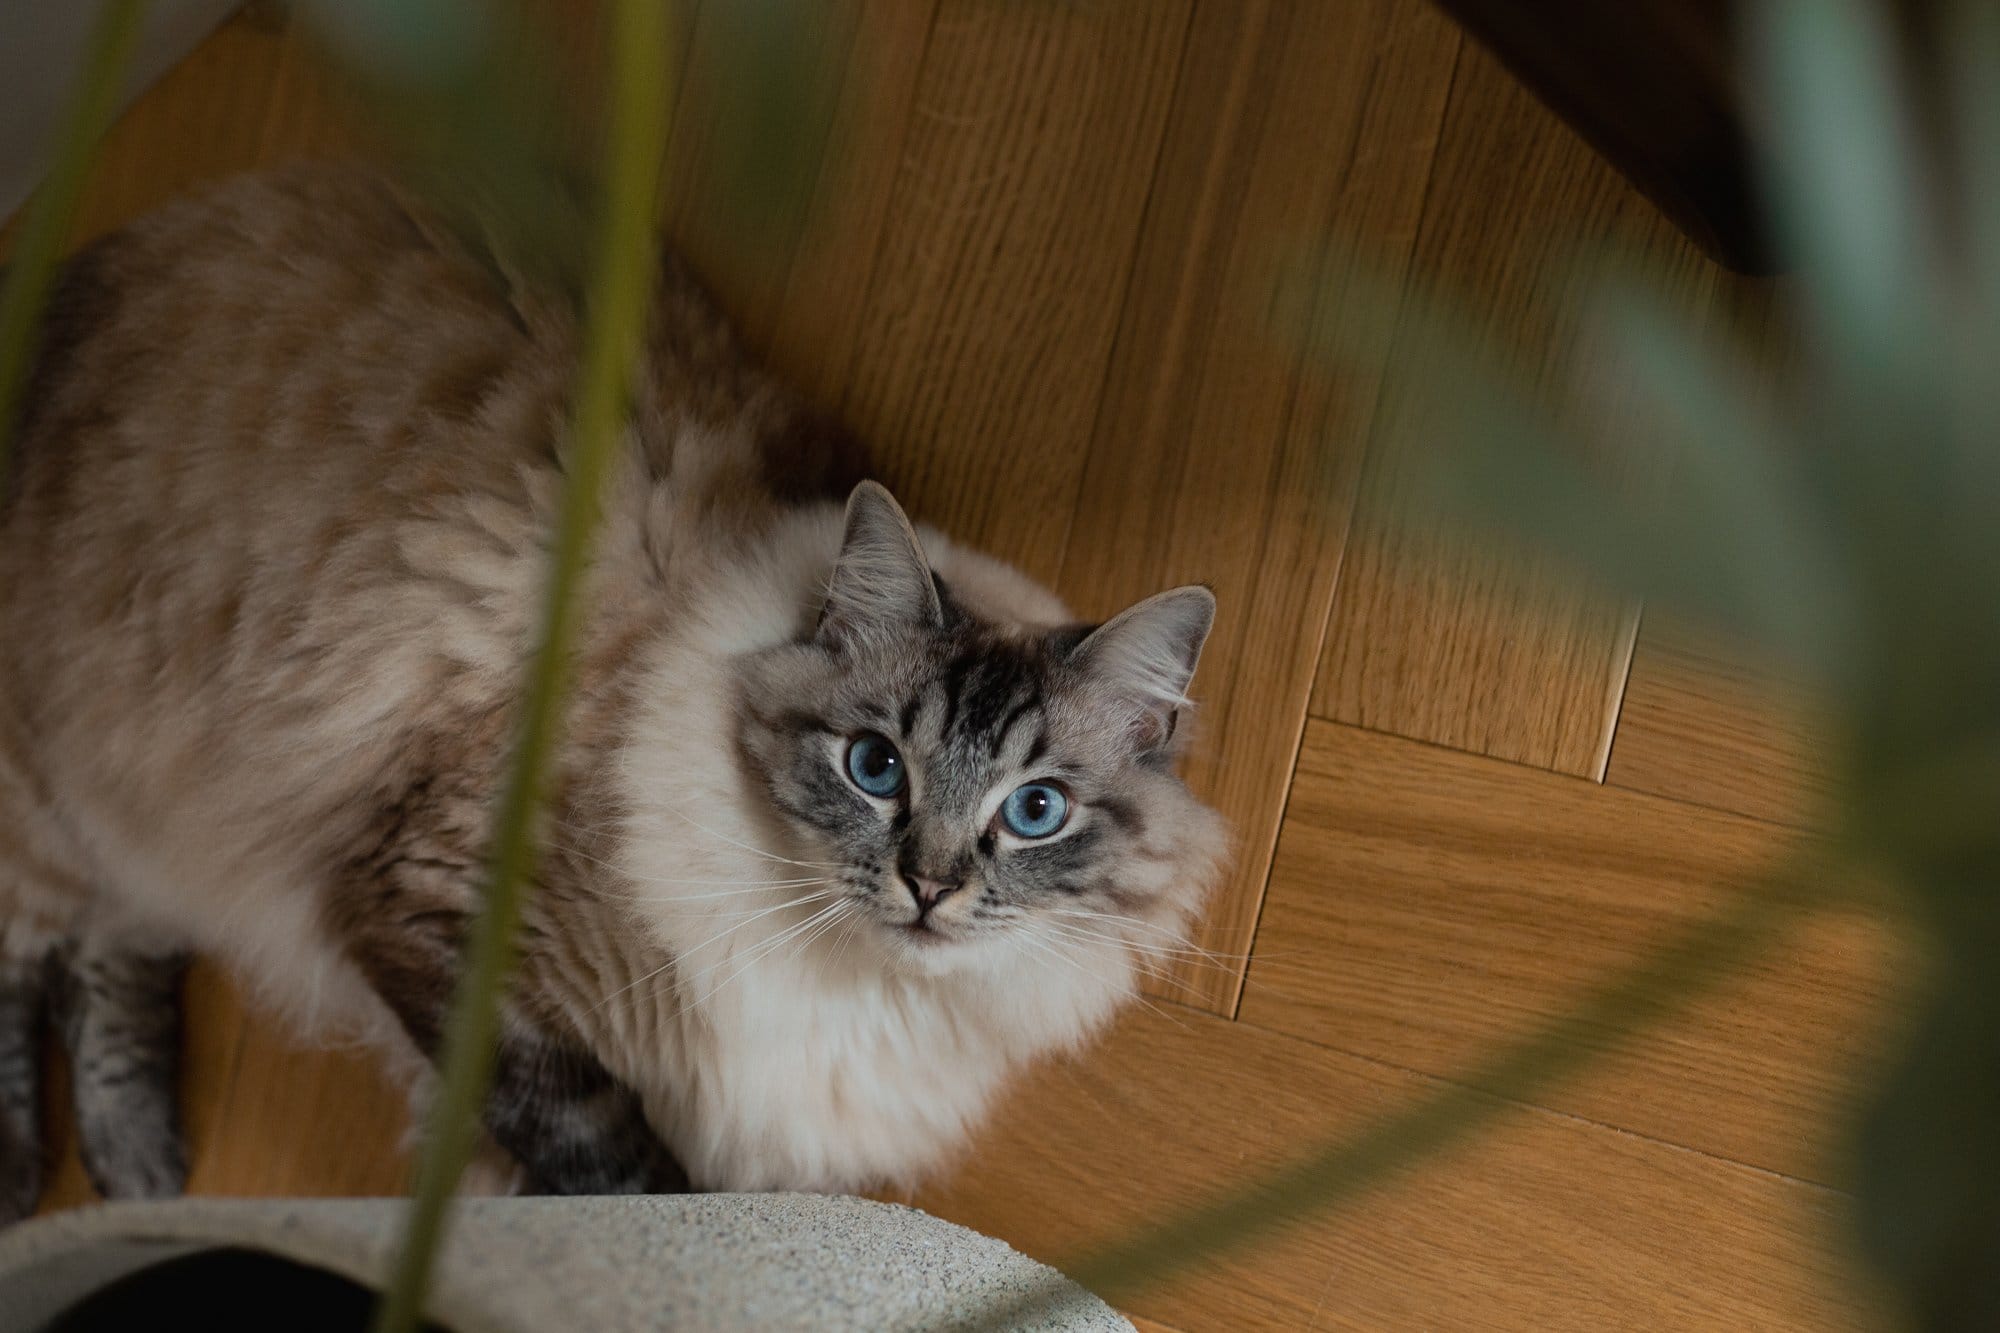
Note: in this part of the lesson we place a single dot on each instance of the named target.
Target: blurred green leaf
(45, 227)
(1855, 535)
(623, 273)
(1926, 1175)
(769, 119)
(1728, 487)
(1848, 196)
(1973, 41)
(1607, 1016)
(1696, 509)
(409, 43)
(464, 95)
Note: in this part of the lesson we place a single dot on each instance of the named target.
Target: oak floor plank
(1546, 1222)
(1427, 904)
(298, 1120)
(206, 117)
(1435, 635)
(1702, 723)
(311, 117)
(1034, 268)
(860, 63)
(265, 1113)
(1145, 1325)
(1221, 453)
(815, 327)
(993, 295)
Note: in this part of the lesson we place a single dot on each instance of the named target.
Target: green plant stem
(1656, 988)
(52, 211)
(620, 295)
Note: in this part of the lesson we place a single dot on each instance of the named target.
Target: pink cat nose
(929, 892)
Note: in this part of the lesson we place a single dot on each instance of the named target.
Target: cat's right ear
(881, 581)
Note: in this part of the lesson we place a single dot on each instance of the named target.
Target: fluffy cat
(849, 823)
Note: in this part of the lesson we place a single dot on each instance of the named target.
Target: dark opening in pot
(227, 1291)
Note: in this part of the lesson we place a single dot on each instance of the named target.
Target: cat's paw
(20, 1174)
(135, 1154)
(573, 1126)
(492, 1173)
(24, 979)
(119, 1010)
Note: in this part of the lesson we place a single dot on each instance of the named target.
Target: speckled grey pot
(691, 1263)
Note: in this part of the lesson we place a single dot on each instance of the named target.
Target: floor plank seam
(1573, 1117)
(900, 157)
(1799, 829)
(1124, 300)
(1614, 710)
(1270, 864)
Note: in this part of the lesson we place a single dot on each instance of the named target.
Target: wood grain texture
(802, 296)
(1544, 1223)
(740, 218)
(1434, 634)
(995, 285)
(1035, 264)
(1145, 1325)
(1703, 724)
(265, 1113)
(1426, 905)
(207, 117)
(1653, 84)
(1220, 453)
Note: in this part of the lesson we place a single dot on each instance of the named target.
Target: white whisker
(754, 851)
(1152, 960)
(1151, 952)
(846, 935)
(668, 882)
(1181, 944)
(724, 893)
(1035, 938)
(761, 951)
(819, 934)
(749, 916)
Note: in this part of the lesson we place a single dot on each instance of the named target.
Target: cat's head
(977, 787)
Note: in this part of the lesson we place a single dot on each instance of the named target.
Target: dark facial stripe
(1021, 710)
(954, 686)
(1122, 813)
(797, 721)
(1002, 678)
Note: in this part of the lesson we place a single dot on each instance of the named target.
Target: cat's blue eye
(874, 765)
(1035, 810)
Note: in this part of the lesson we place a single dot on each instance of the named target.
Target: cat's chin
(930, 953)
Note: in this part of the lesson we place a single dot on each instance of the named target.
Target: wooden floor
(1038, 271)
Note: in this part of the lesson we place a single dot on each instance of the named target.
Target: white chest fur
(791, 1051)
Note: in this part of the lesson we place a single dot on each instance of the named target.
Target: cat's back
(280, 497)
(233, 388)
(269, 353)
(276, 463)
(248, 395)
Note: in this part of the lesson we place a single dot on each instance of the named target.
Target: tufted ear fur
(881, 580)
(1144, 659)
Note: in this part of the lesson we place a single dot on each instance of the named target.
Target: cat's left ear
(1144, 658)
(881, 580)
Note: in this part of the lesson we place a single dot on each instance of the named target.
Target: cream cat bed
(689, 1263)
